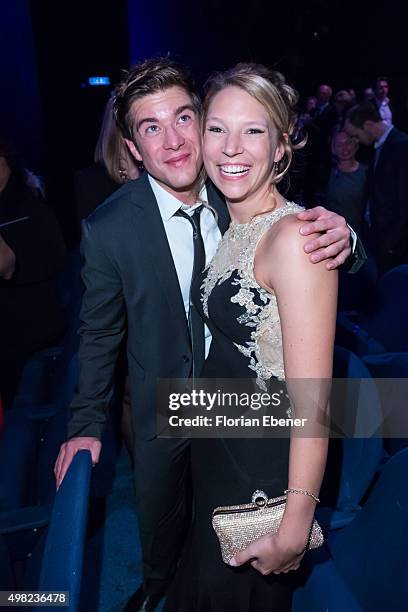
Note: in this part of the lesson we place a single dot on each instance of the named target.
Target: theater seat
(42, 547)
(354, 457)
(380, 327)
(364, 566)
(61, 567)
(385, 321)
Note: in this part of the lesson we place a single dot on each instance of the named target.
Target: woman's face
(239, 145)
(344, 147)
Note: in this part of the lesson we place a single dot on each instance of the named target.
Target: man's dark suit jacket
(389, 202)
(131, 288)
(318, 152)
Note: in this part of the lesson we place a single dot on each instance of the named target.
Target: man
(325, 116)
(319, 133)
(140, 249)
(382, 101)
(387, 213)
(324, 95)
(342, 102)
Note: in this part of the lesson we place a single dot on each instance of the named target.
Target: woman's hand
(272, 553)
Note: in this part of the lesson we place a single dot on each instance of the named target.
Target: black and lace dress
(246, 342)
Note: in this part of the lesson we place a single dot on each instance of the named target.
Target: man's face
(324, 93)
(361, 135)
(166, 138)
(381, 90)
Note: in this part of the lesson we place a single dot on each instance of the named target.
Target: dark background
(49, 49)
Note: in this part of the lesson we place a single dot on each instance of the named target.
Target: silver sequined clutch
(238, 526)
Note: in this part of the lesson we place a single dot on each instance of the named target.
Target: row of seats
(43, 535)
(362, 566)
(31, 513)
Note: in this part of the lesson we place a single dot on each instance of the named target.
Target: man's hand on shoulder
(334, 242)
(69, 449)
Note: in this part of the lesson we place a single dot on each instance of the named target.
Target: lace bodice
(235, 254)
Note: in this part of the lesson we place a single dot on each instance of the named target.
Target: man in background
(387, 209)
(382, 101)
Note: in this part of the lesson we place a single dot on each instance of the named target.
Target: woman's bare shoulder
(284, 238)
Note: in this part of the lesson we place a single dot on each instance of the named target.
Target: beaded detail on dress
(236, 253)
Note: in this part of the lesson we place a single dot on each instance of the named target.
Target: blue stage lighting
(99, 81)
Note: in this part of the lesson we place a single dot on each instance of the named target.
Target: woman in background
(32, 251)
(114, 165)
(347, 189)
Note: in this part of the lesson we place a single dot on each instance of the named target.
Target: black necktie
(195, 322)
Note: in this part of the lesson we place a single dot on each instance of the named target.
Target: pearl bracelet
(303, 492)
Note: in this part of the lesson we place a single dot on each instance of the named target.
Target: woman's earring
(123, 175)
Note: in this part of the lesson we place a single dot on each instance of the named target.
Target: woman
(32, 252)
(114, 165)
(272, 315)
(347, 186)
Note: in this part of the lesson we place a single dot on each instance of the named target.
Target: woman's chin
(230, 192)
(235, 199)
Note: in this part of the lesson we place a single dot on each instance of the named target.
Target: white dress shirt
(384, 110)
(179, 234)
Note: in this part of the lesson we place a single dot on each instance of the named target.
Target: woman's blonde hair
(111, 150)
(271, 90)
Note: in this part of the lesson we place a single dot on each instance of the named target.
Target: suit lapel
(152, 236)
(389, 141)
(217, 201)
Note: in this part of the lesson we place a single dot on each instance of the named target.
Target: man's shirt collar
(168, 204)
(384, 102)
(379, 143)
